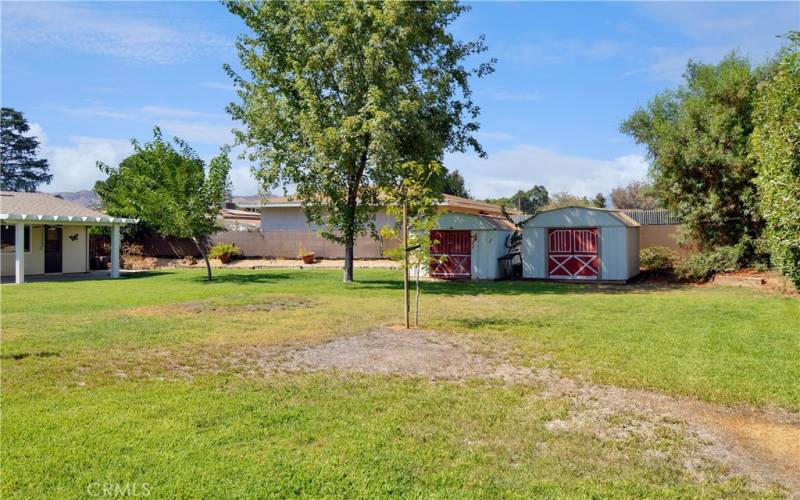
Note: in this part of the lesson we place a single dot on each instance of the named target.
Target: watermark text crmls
(100, 489)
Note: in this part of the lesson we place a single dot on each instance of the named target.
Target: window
(8, 236)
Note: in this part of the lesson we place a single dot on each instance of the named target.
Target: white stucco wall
(74, 254)
(34, 260)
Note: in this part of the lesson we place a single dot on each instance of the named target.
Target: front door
(452, 254)
(52, 249)
(572, 253)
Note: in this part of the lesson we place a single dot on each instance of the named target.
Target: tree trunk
(348, 258)
(201, 246)
(416, 306)
(405, 264)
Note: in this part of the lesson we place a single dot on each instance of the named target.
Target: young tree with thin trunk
(413, 199)
(334, 95)
(166, 187)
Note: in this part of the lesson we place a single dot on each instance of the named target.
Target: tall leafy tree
(564, 199)
(454, 184)
(636, 195)
(776, 149)
(165, 185)
(21, 168)
(527, 201)
(697, 139)
(599, 200)
(335, 94)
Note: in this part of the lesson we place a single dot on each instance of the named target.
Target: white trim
(79, 220)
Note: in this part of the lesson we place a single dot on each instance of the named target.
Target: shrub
(704, 265)
(659, 259)
(224, 251)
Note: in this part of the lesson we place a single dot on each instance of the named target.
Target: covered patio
(46, 236)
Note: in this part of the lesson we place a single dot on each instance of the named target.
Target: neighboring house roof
(617, 214)
(238, 219)
(42, 207)
(452, 203)
(659, 216)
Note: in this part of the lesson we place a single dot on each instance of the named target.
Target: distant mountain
(84, 197)
(256, 198)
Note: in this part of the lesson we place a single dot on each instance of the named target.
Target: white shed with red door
(468, 246)
(580, 244)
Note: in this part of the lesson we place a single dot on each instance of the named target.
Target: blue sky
(90, 76)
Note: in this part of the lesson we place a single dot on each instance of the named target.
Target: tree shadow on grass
(23, 355)
(457, 288)
(247, 278)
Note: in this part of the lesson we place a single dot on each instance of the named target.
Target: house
(44, 234)
(233, 219)
(580, 243)
(284, 228)
(470, 246)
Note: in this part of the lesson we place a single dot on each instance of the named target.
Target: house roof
(43, 207)
(450, 202)
(616, 213)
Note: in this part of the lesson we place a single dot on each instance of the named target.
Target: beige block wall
(663, 235)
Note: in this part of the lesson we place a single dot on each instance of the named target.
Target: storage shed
(470, 245)
(579, 243)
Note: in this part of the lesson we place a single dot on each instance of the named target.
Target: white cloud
(96, 111)
(107, 32)
(242, 179)
(163, 111)
(523, 166)
(74, 166)
(714, 30)
(199, 132)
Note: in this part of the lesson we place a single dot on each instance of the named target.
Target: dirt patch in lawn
(262, 304)
(402, 352)
(763, 446)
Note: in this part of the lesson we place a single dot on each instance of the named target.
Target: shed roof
(613, 215)
(43, 207)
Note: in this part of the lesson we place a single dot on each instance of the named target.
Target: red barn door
(455, 248)
(572, 253)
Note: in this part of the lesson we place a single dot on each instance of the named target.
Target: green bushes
(704, 265)
(224, 252)
(657, 259)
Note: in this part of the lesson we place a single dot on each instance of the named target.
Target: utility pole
(405, 263)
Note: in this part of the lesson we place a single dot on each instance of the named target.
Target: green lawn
(115, 382)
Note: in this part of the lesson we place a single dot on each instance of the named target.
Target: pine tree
(20, 170)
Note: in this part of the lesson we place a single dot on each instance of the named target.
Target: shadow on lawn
(23, 355)
(522, 287)
(242, 278)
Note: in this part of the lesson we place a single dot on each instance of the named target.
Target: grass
(125, 382)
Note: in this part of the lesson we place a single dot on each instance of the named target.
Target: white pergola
(22, 220)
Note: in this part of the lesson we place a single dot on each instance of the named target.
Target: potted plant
(225, 252)
(307, 256)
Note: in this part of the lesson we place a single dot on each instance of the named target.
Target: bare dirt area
(763, 446)
(266, 304)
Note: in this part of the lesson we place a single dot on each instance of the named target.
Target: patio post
(115, 251)
(19, 253)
